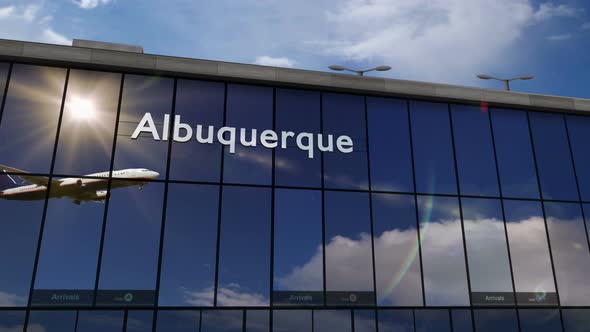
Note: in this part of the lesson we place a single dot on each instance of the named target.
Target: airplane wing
(38, 180)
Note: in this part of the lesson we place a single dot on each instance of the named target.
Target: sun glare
(82, 108)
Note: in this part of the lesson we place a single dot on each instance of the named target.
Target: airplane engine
(102, 194)
(72, 182)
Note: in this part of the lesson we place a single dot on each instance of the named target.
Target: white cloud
(571, 258)
(6, 11)
(548, 10)
(256, 157)
(31, 22)
(227, 295)
(19, 328)
(348, 261)
(55, 38)
(203, 297)
(266, 60)
(27, 12)
(565, 36)
(434, 40)
(586, 26)
(234, 295)
(437, 40)
(305, 277)
(90, 4)
(45, 19)
(30, 12)
(11, 300)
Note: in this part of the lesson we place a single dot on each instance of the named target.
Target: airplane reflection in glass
(91, 187)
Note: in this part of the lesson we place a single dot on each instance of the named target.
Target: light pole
(360, 72)
(506, 80)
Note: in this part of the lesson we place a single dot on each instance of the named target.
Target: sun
(82, 108)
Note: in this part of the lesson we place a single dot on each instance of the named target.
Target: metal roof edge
(13, 50)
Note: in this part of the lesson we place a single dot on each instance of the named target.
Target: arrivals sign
(228, 136)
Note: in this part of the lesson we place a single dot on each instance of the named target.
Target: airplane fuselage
(91, 187)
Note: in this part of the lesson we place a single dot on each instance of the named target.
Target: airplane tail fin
(7, 181)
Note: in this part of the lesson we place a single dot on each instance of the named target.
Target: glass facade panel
(514, 153)
(129, 256)
(88, 123)
(143, 95)
(364, 321)
(397, 252)
(332, 320)
(51, 321)
(198, 103)
(586, 211)
(579, 135)
(248, 107)
(345, 115)
(389, 145)
(487, 253)
(539, 320)
(178, 321)
(433, 148)
(432, 321)
(244, 265)
(71, 237)
(395, 321)
(12, 320)
(222, 321)
(30, 117)
(298, 254)
(529, 251)
(495, 320)
(475, 151)
(569, 246)
(190, 245)
(292, 321)
(19, 233)
(100, 321)
(313, 225)
(554, 161)
(139, 321)
(461, 320)
(298, 112)
(576, 320)
(443, 258)
(4, 68)
(349, 267)
(257, 321)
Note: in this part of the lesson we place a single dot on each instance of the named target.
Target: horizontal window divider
(332, 307)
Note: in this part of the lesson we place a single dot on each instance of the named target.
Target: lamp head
(485, 77)
(339, 68)
(382, 68)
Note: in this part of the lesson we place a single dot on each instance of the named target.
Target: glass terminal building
(149, 193)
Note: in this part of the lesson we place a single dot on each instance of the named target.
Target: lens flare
(82, 108)
(540, 295)
(413, 253)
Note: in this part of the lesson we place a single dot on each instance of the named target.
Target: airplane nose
(156, 174)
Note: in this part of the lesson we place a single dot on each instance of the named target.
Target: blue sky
(446, 41)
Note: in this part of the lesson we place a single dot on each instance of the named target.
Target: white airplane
(92, 189)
